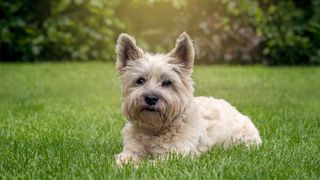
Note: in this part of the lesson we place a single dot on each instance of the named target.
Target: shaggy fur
(177, 122)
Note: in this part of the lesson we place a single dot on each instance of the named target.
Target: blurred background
(271, 32)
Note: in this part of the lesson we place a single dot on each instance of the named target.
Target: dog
(163, 115)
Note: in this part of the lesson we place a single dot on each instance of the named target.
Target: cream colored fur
(178, 122)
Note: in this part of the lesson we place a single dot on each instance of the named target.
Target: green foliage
(224, 31)
(231, 31)
(63, 29)
(290, 32)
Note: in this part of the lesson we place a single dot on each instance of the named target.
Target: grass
(63, 121)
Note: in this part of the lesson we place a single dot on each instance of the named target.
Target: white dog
(163, 115)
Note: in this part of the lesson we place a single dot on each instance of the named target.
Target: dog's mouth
(149, 109)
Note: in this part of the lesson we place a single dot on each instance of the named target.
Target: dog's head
(155, 88)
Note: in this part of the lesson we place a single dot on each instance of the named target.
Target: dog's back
(225, 124)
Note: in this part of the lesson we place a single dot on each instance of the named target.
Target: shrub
(290, 32)
(231, 31)
(224, 31)
(57, 29)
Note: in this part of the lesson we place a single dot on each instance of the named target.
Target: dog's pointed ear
(126, 50)
(183, 53)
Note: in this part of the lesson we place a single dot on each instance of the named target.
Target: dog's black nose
(151, 99)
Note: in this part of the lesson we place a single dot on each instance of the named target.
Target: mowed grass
(63, 121)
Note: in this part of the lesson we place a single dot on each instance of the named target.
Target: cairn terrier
(163, 115)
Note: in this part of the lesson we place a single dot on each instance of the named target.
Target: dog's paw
(127, 158)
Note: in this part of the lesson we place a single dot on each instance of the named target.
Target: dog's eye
(140, 81)
(166, 83)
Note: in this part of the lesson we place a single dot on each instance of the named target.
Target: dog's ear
(183, 53)
(126, 50)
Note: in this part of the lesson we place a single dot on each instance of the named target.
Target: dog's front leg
(132, 152)
(128, 157)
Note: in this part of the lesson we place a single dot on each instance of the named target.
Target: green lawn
(63, 121)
